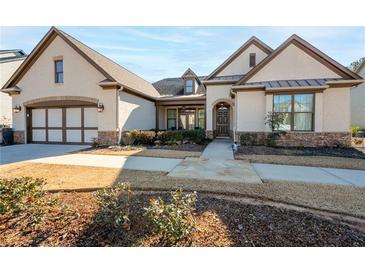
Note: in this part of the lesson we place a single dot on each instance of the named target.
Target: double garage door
(76, 125)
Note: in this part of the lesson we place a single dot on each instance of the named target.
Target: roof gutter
(12, 90)
(218, 82)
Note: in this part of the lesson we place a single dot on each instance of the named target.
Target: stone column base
(209, 134)
(108, 138)
(19, 136)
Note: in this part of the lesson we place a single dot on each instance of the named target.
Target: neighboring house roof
(253, 40)
(309, 49)
(111, 70)
(175, 86)
(11, 55)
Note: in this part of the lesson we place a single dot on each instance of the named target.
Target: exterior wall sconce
(17, 109)
(100, 107)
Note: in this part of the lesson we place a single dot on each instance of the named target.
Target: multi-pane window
(171, 119)
(188, 86)
(252, 59)
(201, 118)
(58, 71)
(297, 110)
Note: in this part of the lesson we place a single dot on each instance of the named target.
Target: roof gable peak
(252, 40)
(309, 49)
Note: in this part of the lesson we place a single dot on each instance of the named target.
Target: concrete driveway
(19, 153)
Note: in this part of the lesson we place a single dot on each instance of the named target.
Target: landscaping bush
(248, 139)
(95, 142)
(355, 130)
(196, 136)
(169, 137)
(114, 206)
(175, 220)
(127, 139)
(271, 139)
(24, 198)
(142, 137)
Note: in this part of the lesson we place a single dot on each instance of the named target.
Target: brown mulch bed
(305, 151)
(219, 223)
(349, 158)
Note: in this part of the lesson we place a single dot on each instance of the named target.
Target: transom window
(58, 64)
(188, 86)
(297, 110)
(171, 119)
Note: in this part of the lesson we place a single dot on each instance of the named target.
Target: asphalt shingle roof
(175, 86)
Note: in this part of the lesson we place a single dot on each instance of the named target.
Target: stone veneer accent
(19, 136)
(108, 137)
(209, 134)
(307, 139)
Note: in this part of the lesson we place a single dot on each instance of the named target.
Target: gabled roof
(175, 86)
(190, 73)
(309, 49)
(253, 40)
(111, 70)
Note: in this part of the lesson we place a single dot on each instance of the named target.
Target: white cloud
(174, 38)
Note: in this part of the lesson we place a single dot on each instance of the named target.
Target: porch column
(157, 117)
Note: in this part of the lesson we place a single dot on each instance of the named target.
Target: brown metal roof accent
(309, 49)
(111, 70)
(253, 40)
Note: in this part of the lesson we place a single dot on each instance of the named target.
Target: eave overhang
(12, 90)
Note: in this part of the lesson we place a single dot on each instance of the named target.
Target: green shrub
(169, 137)
(195, 136)
(142, 137)
(248, 139)
(271, 139)
(355, 130)
(24, 197)
(95, 142)
(114, 205)
(127, 139)
(175, 220)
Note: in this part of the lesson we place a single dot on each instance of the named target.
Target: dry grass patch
(319, 161)
(141, 151)
(344, 199)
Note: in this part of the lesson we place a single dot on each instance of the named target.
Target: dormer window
(189, 86)
(58, 64)
(252, 60)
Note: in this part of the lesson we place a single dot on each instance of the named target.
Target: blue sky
(160, 52)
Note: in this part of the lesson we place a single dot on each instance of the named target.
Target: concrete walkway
(217, 163)
(311, 175)
(218, 149)
(111, 161)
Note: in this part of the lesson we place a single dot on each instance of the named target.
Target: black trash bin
(8, 138)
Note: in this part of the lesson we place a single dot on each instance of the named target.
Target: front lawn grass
(345, 199)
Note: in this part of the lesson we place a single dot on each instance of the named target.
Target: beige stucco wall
(216, 93)
(336, 110)
(358, 103)
(293, 63)
(241, 64)
(251, 111)
(135, 112)
(6, 71)
(80, 79)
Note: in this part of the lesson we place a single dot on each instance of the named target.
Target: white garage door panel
(54, 117)
(90, 117)
(73, 135)
(55, 135)
(38, 117)
(73, 117)
(89, 135)
(39, 135)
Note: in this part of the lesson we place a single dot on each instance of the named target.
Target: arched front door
(222, 120)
